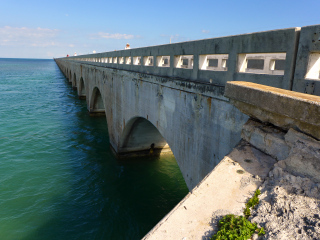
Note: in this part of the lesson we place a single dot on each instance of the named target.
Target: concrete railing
(286, 58)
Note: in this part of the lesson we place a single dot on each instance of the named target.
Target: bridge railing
(307, 68)
(279, 58)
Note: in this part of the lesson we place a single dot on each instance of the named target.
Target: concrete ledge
(282, 108)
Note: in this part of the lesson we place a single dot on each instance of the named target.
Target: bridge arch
(96, 102)
(74, 81)
(140, 135)
(81, 89)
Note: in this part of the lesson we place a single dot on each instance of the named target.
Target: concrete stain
(209, 104)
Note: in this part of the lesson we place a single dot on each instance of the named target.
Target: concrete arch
(81, 89)
(74, 81)
(96, 102)
(141, 137)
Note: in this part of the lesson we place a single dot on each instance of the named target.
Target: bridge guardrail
(274, 58)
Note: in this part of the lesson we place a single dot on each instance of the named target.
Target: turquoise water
(58, 177)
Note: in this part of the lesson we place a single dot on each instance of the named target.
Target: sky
(55, 28)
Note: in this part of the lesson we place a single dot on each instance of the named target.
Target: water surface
(58, 176)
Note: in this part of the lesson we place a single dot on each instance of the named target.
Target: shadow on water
(107, 198)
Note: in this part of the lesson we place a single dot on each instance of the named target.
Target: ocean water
(58, 176)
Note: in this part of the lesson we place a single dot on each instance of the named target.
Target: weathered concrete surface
(282, 108)
(194, 119)
(225, 190)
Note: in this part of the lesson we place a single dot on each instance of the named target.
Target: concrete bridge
(171, 97)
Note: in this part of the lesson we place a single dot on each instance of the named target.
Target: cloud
(34, 37)
(112, 36)
(205, 31)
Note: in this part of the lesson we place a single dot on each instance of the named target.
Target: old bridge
(172, 96)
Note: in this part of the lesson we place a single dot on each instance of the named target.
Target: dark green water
(58, 177)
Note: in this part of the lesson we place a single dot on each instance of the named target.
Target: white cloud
(205, 31)
(35, 37)
(112, 36)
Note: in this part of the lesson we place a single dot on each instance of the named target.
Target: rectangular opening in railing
(213, 62)
(115, 60)
(136, 60)
(148, 61)
(262, 63)
(121, 60)
(128, 60)
(183, 61)
(313, 70)
(163, 61)
(110, 59)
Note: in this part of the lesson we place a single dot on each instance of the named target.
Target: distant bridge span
(173, 95)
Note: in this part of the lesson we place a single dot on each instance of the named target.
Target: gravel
(288, 207)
